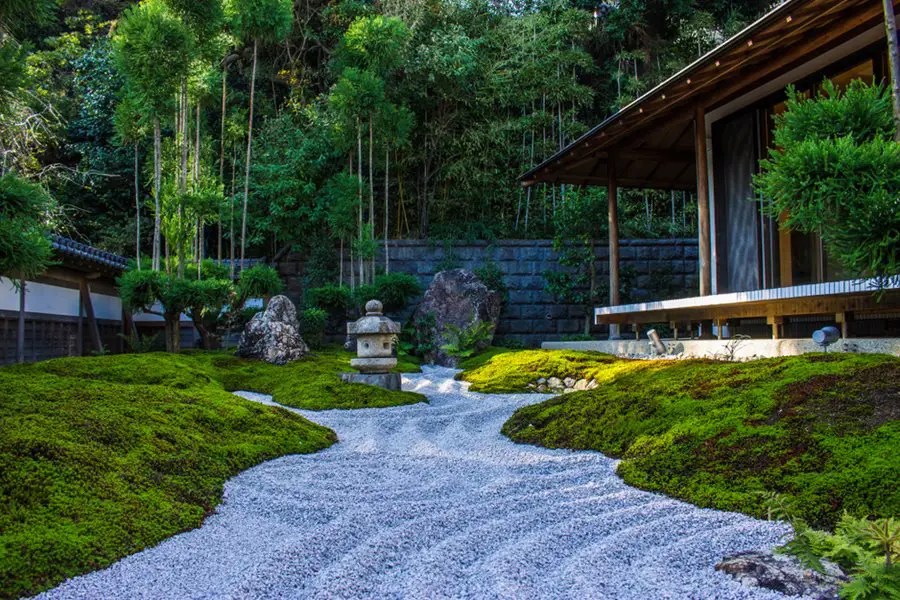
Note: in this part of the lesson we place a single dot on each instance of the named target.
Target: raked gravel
(430, 501)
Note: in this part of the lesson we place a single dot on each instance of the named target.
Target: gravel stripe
(431, 501)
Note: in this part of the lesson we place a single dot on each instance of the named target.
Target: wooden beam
(20, 332)
(703, 201)
(93, 327)
(586, 180)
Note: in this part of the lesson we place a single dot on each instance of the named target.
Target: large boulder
(459, 299)
(273, 335)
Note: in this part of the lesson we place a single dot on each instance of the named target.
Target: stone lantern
(374, 335)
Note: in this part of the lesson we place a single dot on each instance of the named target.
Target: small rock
(593, 385)
(542, 388)
(784, 574)
(542, 381)
(554, 382)
(531, 386)
(581, 385)
(568, 390)
(569, 382)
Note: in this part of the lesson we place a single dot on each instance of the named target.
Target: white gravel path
(431, 501)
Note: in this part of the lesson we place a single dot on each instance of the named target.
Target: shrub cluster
(205, 294)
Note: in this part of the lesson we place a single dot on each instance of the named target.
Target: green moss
(312, 383)
(823, 430)
(498, 370)
(103, 456)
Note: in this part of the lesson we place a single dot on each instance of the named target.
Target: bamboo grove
(171, 130)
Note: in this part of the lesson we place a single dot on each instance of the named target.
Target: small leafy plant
(140, 344)
(868, 550)
(468, 340)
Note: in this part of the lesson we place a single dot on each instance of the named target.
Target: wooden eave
(651, 139)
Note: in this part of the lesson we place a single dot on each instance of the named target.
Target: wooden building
(705, 130)
(71, 310)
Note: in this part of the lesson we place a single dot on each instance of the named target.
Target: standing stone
(274, 334)
(460, 299)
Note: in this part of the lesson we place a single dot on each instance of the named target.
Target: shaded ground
(430, 501)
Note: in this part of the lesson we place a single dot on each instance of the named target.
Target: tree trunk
(173, 332)
(387, 189)
(185, 148)
(362, 278)
(231, 205)
(137, 207)
(157, 181)
(221, 160)
(371, 197)
(890, 26)
(247, 166)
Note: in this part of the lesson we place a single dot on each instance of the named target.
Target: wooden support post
(79, 346)
(719, 324)
(93, 327)
(20, 332)
(613, 200)
(703, 201)
(776, 323)
(843, 319)
(674, 326)
(637, 331)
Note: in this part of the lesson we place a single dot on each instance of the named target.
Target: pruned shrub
(312, 327)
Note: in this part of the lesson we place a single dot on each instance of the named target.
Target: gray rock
(593, 385)
(581, 385)
(542, 388)
(555, 382)
(542, 381)
(784, 574)
(569, 382)
(460, 299)
(274, 334)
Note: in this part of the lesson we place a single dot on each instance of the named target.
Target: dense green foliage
(835, 171)
(867, 550)
(821, 430)
(103, 456)
(26, 213)
(437, 106)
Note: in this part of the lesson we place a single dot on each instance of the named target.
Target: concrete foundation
(740, 349)
(388, 381)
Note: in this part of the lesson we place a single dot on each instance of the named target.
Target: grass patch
(103, 456)
(823, 430)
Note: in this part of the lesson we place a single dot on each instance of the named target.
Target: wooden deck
(839, 300)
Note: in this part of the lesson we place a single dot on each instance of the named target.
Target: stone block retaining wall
(531, 316)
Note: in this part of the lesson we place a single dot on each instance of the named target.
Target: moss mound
(498, 370)
(103, 456)
(823, 430)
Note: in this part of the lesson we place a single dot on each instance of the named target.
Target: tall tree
(131, 129)
(151, 45)
(258, 21)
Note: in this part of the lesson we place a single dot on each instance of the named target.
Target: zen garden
(522, 299)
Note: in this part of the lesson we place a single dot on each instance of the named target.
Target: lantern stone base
(388, 381)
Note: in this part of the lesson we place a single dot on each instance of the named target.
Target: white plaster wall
(46, 299)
